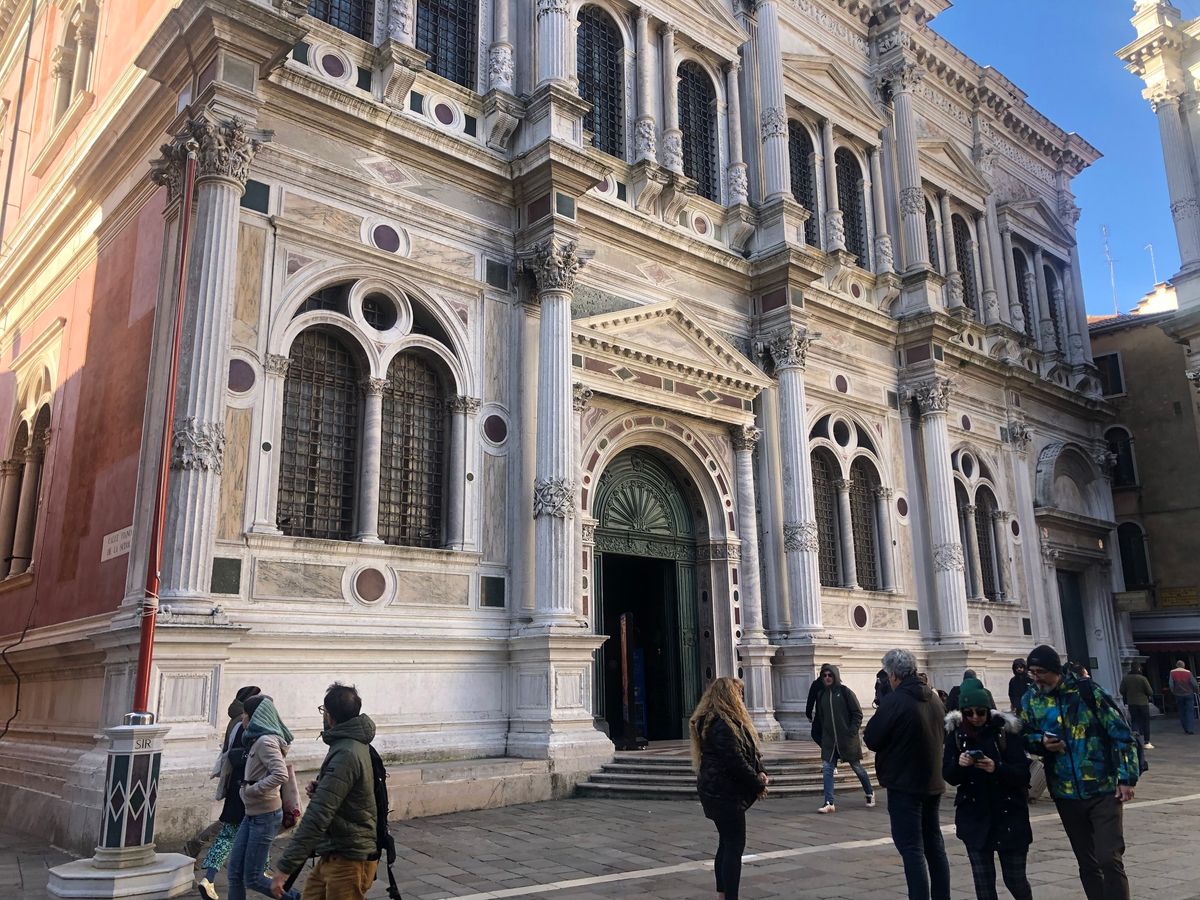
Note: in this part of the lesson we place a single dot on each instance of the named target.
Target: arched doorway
(649, 671)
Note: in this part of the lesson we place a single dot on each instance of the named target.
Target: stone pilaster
(463, 411)
(1046, 325)
(773, 118)
(955, 288)
(645, 130)
(555, 34)
(1015, 312)
(900, 79)
(739, 186)
(887, 558)
(835, 226)
(500, 52)
(884, 257)
(991, 302)
(974, 566)
(1000, 541)
(672, 137)
(1180, 182)
(368, 472)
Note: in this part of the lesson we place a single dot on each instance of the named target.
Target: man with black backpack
(345, 825)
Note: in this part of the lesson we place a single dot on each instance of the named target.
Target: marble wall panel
(497, 325)
(495, 506)
(252, 242)
(231, 511)
(322, 217)
(277, 579)
(444, 258)
(432, 589)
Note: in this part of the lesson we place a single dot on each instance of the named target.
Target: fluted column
(739, 186)
(884, 259)
(554, 265)
(933, 400)
(835, 225)
(901, 79)
(789, 348)
(745, 439)
(773, 118)
(1046, 326)
(645, 136)
(1015, 312)
(460, 409)
(1000, 542)
(10, 495)
(27, 504)
(991, 303)
(846, 533)
(672, 137)
(224, 151)
(500, 53)
(1180, 183)
(955, 289)
(554, 42)
(974, 568)
(883, 518)
(368, 472)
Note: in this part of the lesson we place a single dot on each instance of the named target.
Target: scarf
(266, 721)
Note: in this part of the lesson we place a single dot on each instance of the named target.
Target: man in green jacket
(1137, 694)
(339, 825)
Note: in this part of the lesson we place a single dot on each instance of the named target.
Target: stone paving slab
(577, 849)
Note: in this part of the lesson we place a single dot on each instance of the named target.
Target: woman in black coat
(984, 758)
(730, 774)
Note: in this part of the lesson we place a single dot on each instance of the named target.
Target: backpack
(1093, 698)
(384, 842)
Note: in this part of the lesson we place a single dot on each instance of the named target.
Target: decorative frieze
(948, 557)
(800, 537)
(833, 25)
(718, 550)
(197, 445)
(773, 123)
(554, 497)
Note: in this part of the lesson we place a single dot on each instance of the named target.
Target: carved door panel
(689, 650)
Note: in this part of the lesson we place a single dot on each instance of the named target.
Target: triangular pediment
(706, 22)
(823, 85)
(1040, 218)
(949, 167)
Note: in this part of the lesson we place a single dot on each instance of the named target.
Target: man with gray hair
(906, 735)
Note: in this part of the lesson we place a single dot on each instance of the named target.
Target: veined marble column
(902, 78)
(777, 180)
(224, 152)
(462, 411)
(372, 448)
(974, 564)
(933, 400)
(1000, 541)
(555, 32)
(27, 504)
(955, 288)
(1015, 312)
(846, 533)
(1046, 328)
(835, 224)
(789, 348)
(10, 494)
(745, 439)
(991, 303)
(500, 53)
(672, 137)
(739, 186)
(400, 23)
(645, 137)
(554, 264)
(883, 517)
(1184, 208)
(884, 261)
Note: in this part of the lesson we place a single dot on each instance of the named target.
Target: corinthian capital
(744, 437)
(547, 7)
(553, 264)
(789, 346)
(223, 149)
(901, 76)
(932, 396)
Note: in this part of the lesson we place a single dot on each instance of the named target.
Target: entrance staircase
(663, 771)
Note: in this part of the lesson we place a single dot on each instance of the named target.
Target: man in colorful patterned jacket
(1091, 767)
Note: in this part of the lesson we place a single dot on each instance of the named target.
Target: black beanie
(1045, 657)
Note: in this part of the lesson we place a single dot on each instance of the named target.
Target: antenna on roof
(1112, 275)
(1153, 265)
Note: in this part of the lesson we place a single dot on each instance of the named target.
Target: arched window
(931, 235)
(1023, 293)
(356, 17)
(319, 454)
(985, 505)
(851, 201)
(698, 122)
(962, 501)
(804, 177)
(1120, 444)
(446, 30)
(1135, 566)
(863, 483)
(601, 70)
(412, 458)
(966, 260)
(825, 502)
(1054, 297)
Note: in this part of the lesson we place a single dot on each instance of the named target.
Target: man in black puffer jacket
(906, 735)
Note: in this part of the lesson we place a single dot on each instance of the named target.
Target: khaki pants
(335, 878)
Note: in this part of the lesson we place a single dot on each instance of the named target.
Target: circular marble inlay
(241, 376)
(333, 65)
(988, 625)
(855, 291)
(370, 584)
(495, 429)
(966, 423)
(701, 225)
(1016, 528)
(860, 616)
(443, 113)
(902, 506)
(841, 384)
(386, 238)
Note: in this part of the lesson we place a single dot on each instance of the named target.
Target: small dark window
(600, 66)
(379, 312)
(985, 505)
(914, 620)
(491, 591)
(1124, 474)
(1136, 567)
(446, 31)
(965, 259)
(1111, 380)
(698, 121)
(863, 482)
(852, 203)
(804, 177)
(1025, 292)
(931, 235)
(329, 299)
(1054, 297)
(356, 17)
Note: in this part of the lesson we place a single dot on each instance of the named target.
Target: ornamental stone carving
(500, 65)
(835, 228)
(744, 437)
(789, 346)
(168, 169)
(399, 20)
(883, 253)
(468, 405)
(198, 446)
(581, 396)
(553, 264)
(10, 467)
(800, 537)
(559, 7)
(932, 396)
(956, 289)
(901, 76)
(912, 201)
(884, 493)
(948, 557)
(275, 364)
(773, 122)
(672, 150)
(223, 149)
(739, 184)
(589, 534)
(1185, 208)
(373, 387)
(644, 139)
(718, 550)
(554, 497)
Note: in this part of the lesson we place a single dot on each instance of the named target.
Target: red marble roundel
(495, 429)
(370, 584)
(333, 65)
(860, 616)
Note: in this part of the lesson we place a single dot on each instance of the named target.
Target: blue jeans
(248, 857)
(917, 834)
(1187, 712)
(829, 766)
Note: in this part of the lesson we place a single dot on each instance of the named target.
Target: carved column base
(760, 694)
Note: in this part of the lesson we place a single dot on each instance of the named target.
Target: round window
(379, 312)
(902, 506)
(495, 429)
(841, 433)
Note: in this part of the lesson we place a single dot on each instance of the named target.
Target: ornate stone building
(529, 345)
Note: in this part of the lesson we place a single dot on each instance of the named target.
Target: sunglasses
(976, 712)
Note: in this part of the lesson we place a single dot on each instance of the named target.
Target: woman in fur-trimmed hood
(985, 760)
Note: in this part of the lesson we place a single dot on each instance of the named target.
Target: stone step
(688, 780)
(686, 768)
(673, 792)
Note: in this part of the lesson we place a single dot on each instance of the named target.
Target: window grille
(1134, 565)
(446, 31)
(319, 456)
(412, 463)
(931, 234)
(984, 506)
(863, 482)
(825, 502)
(851, 201)
(1124, 474)
(356, 17)
(1022, 270)
(1052, 302)
(330, 299)
(601, 69)
(966, 260)
(698, 122)
(804, 177)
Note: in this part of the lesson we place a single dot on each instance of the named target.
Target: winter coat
(1183, 683)
(1135, 690)
(1017, 686)
(990, 809)
(1100, 753)
(266, 773)
(341, 817)
(728, 779)
(814, 692)
(906, 735)
(837, 721)
(233, 757)
(952, 698)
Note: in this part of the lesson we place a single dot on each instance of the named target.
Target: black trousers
(1094, 828)
(727, 864)
(1140, 719)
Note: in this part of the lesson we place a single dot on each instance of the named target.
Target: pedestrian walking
(1018, 685)
(1135, 690)
(730, 774)
(835, 727)
(230, 771)
(341, 824)
(266, 740)
(814, 691)
(1184, 689)
(906, 734)
(1091, 767)
(882, 687)
(984, 758)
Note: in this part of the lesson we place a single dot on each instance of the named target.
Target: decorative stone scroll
(198, 446)
(554, 497)
(800, 537)
(948, 557)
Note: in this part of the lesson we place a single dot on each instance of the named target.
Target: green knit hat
(973, 695)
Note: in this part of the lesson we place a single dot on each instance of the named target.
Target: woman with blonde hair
(730, 774)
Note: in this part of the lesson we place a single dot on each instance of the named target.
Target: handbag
(289, 793)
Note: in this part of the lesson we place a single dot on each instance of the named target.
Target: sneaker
(207, 890)
(870, 801)
(827, 808)
(1148, 745)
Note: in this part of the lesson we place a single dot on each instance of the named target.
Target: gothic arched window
(1023, 293)
(1120, 444)
(446, 30)
(931, 235)
(804, 177)
(863, 483)
(852, 203)
(320, 438)
(1132, 542)
(825, 502)
(412, 456)
(698, 122)
(356, 17)
(601, 69)
(965, 259)
(985, 505)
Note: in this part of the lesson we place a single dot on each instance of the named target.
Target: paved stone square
(587, 849)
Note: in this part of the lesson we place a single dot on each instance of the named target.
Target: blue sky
(1061, 53)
